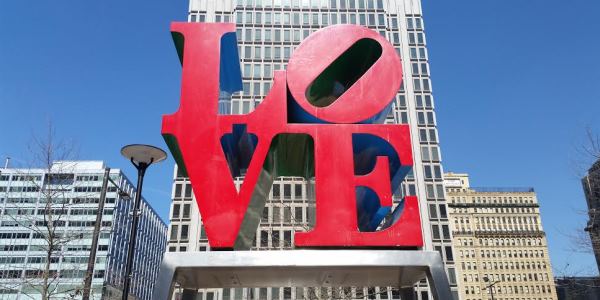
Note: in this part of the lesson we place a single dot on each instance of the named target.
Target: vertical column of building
(149, 249)
(119, 238)
(415, 107)
(184, 218)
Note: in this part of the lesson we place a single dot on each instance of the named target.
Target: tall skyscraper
(591, 188)
(57, 207)
(268, 31)
(499, 242)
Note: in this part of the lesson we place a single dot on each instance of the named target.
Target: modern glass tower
(268, 31)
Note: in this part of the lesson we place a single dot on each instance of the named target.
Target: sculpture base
(301, 268)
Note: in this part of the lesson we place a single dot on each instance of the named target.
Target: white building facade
(268, 31)
(70, 191)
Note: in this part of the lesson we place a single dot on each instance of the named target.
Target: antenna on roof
(7, 162)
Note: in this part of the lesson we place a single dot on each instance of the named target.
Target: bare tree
(590, 149)
(38, 202)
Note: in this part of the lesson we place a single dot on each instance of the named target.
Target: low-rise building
(56, 208)
(500, 246)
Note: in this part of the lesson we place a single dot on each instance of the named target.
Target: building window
(446, 232)
(177, 190)
(451, 276)
(449, 256)
(174, 231)
(275, 239)
(298, 214)
(443, 214)
(435, 230)
(432, 211)
(264, 239)
(184, 232)
(188, 191)
(287, 238)
(202, 233)
(176, 208)
(287, 214)
(186, 211)
(276, 215)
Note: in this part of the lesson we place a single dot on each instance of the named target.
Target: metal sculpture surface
(322, 118)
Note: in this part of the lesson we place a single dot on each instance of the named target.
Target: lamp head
(143, 154)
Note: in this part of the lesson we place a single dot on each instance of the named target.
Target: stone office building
(500, 246)
(68, 193)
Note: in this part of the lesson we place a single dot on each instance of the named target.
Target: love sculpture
(322, 118)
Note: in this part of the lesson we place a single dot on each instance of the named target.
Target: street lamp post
(141, 156)
(490, 286)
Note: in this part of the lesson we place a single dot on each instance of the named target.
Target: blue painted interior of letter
(238, 148)
(230, 74)
(366, 149)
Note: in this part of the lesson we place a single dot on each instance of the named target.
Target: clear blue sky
(515, 82)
